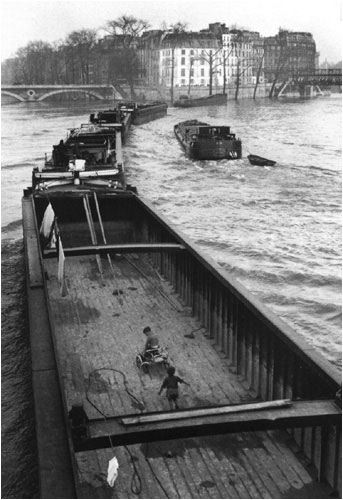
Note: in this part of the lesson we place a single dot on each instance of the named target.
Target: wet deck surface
(98, 327)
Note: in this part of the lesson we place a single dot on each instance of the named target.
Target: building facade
(181, 59)
(288, 54)
(242, 54)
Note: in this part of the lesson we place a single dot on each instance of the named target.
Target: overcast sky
(51, 20)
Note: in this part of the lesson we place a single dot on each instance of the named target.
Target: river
(275, 229)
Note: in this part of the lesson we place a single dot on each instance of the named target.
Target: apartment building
(180, 58)
(289, 53)
(242, 54)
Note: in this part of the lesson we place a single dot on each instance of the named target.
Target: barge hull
(56, 475)
(221, 339)
(145, 115)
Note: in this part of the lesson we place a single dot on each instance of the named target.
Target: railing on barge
(269, 355)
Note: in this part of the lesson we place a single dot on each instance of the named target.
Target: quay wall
(272, 359)
(150, 93)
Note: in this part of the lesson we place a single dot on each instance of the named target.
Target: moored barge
(192, 102)
(144, 113)
(202, 141)
(259, 419)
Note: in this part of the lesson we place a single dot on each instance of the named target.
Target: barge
(260, 417)
(144, 113)
(202, 141)
(89, 155)
(211, 100)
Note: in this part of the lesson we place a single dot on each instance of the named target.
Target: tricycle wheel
(145, 367)
(139, 361)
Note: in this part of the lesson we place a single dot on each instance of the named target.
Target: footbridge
(310, 82)
(35, 93)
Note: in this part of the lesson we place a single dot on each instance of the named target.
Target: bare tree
(281, 71)
(289, 57)
(124, 62)
(210, 56)
(175, 31)
(259, 71)
(253, 62)
(179, 27)
(81, 44)
(32, 62)
(226, 55)
(56, 70)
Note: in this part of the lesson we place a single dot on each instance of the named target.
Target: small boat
(260, 161)
(211, 100)
(202, 141)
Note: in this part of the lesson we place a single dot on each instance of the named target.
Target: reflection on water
(276, 229)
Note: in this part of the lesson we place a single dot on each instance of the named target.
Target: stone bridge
(35, 93)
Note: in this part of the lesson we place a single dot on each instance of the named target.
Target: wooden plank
(192, 413)
(123, 248)
(300, 414)
(92, 230)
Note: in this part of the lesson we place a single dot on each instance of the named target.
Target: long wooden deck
(98, 327)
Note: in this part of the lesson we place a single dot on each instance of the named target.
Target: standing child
(171, 384)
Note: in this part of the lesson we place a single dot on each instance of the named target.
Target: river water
(275, 229)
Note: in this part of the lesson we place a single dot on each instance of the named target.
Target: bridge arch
(63, 91)
(12, 94)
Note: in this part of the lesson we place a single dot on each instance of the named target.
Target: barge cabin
(91, 153)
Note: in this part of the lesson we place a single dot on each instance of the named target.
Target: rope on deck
(136, 482)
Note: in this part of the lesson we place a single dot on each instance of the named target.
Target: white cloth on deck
(112, 473)
(53, 240)
(61, 259)
(47, 222)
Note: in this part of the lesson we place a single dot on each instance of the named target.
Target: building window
(192, 52)
(202, 72)
(183, 72)
(192, 72)
(183, 82)
(183, 51)
(202, 81)
(183, 59)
